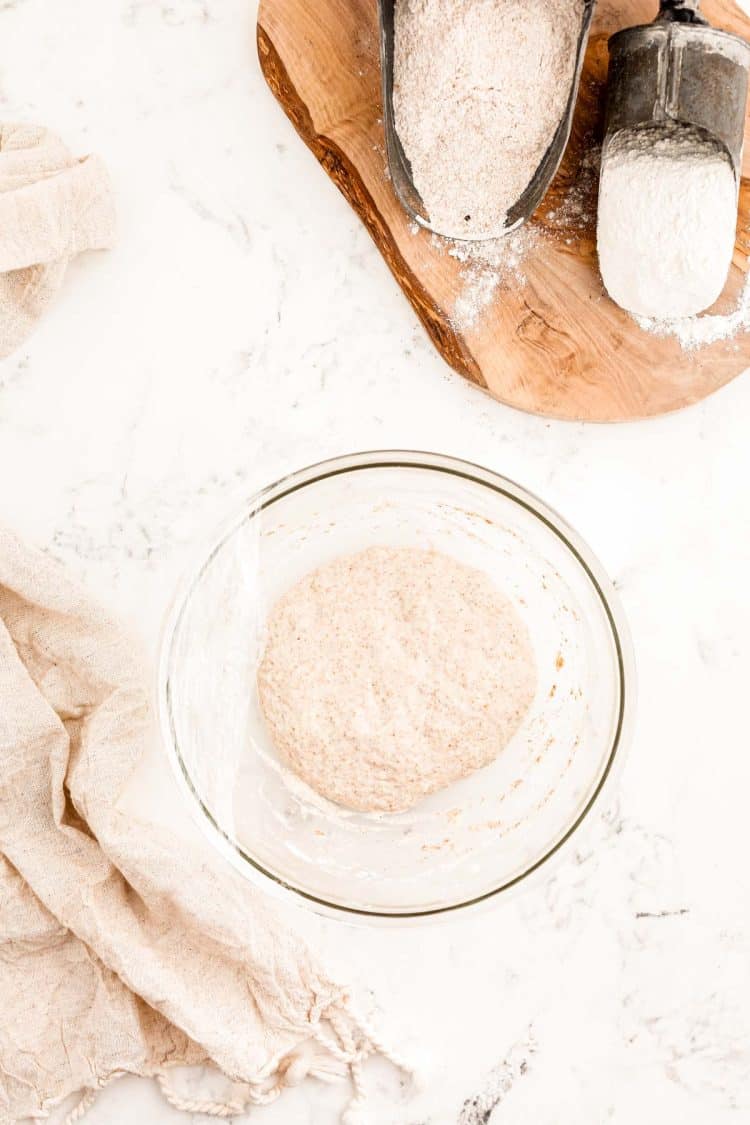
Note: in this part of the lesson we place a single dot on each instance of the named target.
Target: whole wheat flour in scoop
(480, 88)
(389, 674)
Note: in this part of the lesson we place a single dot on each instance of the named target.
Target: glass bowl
(481, 836)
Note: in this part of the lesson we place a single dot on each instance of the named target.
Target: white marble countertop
(246, 326)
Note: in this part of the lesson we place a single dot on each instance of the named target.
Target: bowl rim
(292, 482)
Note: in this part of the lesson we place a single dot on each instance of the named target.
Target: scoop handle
(680, 11)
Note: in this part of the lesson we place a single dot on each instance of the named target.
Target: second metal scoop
(679, 70)
(398, 164)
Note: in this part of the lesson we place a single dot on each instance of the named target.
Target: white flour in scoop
(667, 218)
(480, 87)
(392, 673)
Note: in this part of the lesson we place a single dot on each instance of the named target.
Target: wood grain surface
(553, 344)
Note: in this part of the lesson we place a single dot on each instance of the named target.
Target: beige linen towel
(122, 947)
(52, 207)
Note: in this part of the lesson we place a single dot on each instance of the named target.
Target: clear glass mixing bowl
(477, 838)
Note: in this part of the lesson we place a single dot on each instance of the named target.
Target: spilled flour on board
(486, 267)
(575, 214)
(695, 332)
(489, 266)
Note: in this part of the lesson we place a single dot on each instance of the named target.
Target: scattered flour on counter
(667, 219)
(480, 87)
(390, 674)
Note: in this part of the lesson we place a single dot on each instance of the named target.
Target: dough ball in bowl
(406, 633)
(391, 673)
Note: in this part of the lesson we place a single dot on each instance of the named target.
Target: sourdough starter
(391, 673)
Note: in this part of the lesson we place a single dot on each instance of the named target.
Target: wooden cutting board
(553, 344)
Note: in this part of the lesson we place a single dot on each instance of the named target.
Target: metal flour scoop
(398, 164)
(679, 70)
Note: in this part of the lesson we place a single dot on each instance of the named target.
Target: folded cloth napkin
(124, 948)
(52, 206)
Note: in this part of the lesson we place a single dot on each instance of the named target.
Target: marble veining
(480, 1108)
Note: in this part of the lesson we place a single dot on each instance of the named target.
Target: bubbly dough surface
(391, 673)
